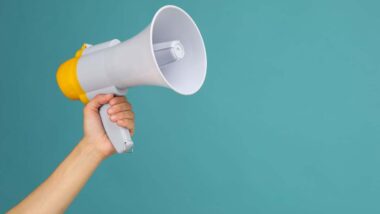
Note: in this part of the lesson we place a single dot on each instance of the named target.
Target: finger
(122, 115)
(131, 131)
(98, 101)
(117, 100)
(119, 107)
(127, 123)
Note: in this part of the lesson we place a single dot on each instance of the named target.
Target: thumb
(98, 101)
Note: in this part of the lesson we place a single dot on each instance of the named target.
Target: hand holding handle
(119, 136)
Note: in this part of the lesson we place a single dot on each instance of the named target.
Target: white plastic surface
(187, 75)
(93, 48)
(133, 62)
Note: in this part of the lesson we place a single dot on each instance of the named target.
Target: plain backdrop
(288, 120)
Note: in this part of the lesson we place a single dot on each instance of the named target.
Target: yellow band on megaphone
(67, 78)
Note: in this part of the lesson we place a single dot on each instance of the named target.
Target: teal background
(287, 121)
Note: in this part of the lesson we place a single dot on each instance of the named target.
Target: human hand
(120, 112)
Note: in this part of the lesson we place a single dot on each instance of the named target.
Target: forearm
(57, 192)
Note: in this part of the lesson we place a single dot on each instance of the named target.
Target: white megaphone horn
(170, 53)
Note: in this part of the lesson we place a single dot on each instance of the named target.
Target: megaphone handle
(119, 136)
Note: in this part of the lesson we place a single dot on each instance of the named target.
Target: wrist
(90, 148)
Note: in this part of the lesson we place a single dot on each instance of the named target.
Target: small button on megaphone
(170, 53)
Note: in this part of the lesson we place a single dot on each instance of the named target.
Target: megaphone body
(169, 53)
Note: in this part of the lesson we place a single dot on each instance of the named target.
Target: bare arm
(57, 192)
(60, 188)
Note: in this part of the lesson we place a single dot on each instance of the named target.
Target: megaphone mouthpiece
(168, 52)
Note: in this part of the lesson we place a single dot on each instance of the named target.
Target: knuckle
(122, 123)
(86, 108)
(116, 100)
(126, 123)
(113, 101)
(118, 117)
(132, 126)
(116, 108)
(127, 114)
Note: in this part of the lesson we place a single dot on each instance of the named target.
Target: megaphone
(170, 53)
